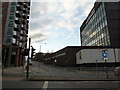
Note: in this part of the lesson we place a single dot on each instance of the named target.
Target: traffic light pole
(27, 74)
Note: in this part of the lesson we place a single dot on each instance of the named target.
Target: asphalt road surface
(50, 85)
(39, 69)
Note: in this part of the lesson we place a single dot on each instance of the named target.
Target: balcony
(17, 21)
(26, 35)
(24, 16)
(18, 14)
(25, 5)
(21, 45)
(21, 40)
(24, 10)
(22, 33)
(28, 12)
(16, 29)
(27, 26)
(28, 3)
(15, 44)
(26, 31)
(28, 17)
(26, 40)
(24, 22)
(28, 8)
(19, 8)
(27, 21)
(15, 36)
(20, 3)
(23, 28)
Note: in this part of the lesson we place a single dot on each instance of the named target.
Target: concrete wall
(91, 55)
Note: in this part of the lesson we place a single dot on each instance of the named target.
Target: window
(13, 3)
(9, 32)
(12, 10)
(15, 25)
(14, 33)
(8, 39)
(22, 32)
(10, 24)
(11, 17)
(20, 44)
(13, 40)
(21, 38)
(17, 43)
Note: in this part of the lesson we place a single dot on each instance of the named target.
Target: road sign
(104, 54)
(96, 60)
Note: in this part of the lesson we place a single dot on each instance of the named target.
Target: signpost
(105, 57)
(96, 69)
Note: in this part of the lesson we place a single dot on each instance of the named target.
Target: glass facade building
(97, 29)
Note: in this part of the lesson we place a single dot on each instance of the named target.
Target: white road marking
(45, 86)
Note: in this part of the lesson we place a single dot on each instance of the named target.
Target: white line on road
(45, 86)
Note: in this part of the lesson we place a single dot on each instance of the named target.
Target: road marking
(45, 86)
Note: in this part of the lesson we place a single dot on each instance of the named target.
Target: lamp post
(40, 46)
(41, 52)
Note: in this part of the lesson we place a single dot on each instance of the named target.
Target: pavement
(13, 73)
(51, 73)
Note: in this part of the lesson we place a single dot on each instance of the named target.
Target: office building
(15, 23)
(101, 27)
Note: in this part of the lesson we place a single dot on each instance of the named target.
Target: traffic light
(32, 52)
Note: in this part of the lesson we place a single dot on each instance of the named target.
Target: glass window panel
(13, 40)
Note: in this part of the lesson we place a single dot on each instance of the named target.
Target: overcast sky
(57, 23)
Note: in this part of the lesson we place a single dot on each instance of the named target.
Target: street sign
(104, 54)
(96, 60)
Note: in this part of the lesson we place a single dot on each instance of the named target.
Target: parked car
(117, 71)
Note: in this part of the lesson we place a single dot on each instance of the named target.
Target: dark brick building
(63, 57)
(15, 21)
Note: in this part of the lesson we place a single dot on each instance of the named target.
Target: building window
(12, 10)
(11, 17)
(10, 24)
(22, 32)
(13, 40)
(21, 38)
(20, 44)
(13, 3)
(9, 32)
(8, 39)
(14, 33)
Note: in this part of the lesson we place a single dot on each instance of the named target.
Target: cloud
(57, 16)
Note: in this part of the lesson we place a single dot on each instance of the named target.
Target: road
(52, 71)
(85, 85)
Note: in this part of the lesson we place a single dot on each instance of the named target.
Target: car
(117, 71)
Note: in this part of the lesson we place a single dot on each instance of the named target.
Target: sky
(56, 24)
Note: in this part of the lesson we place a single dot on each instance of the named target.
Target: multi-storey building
(15, 22)
(0, 32)
(101, 27)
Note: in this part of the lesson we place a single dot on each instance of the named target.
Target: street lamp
(41, 52)
(40, 46)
